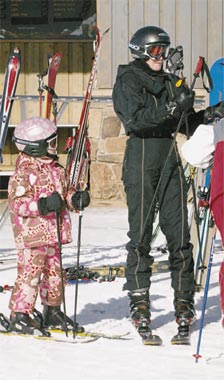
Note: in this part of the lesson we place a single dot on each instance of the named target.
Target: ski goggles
(52, 142)
(49, 142)
(157, 51)
(38, 148)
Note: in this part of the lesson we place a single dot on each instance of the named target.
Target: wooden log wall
(197, 25)
(71, 80)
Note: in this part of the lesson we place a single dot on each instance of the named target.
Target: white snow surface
(103, 307)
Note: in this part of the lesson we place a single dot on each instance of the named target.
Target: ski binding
(183, 335)
(148, 339)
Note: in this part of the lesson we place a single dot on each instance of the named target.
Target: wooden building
(197, 25)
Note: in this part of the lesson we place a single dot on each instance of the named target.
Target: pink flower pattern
(36, 236)
(38, 270)
(30, 228)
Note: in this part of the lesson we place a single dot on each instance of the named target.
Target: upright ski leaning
(54, 64)
(78, 159)
(78, 146)
(10, 84)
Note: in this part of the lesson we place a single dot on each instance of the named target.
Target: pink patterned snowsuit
(35, 235)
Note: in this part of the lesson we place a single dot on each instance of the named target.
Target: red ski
(10, 84)
(78, 146)
(54, 63)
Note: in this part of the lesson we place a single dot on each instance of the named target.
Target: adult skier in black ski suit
(149, 102)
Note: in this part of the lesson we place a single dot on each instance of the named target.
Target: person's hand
(51, 203)
(214, 112)
(184, 102)
(80, 200)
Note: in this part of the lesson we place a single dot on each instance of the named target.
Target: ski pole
(77, 265)
(196, 217)
(55, 108)
(61, 271)
(41, 89)
(196, 75)
(197, 355)
(203, 233)
(200, 64)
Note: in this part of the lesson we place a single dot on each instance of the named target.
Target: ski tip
(179, 340)
(106, 31)
(16, 50)
(152, 340)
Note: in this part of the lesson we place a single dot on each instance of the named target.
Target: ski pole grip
(197, 70)
(199, 66)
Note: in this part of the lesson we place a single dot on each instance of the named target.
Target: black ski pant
(142, 167)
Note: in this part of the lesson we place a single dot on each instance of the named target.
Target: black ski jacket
(141, 97)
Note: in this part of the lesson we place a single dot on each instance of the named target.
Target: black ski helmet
(145, 38)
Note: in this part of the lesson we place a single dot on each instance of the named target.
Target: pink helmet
(32, 136)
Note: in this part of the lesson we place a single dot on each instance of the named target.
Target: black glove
(80, 199)
(183, 103)
(52, 203)
(214, 112)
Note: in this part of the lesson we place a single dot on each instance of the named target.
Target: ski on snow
(108, 272)
(183, 335)
(142, 326)
(9, 89)
(56, 335)
(148, 338)
(92, 334)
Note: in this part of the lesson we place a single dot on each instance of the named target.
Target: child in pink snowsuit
(38, 194)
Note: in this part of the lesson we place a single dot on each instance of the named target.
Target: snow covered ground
(103, 307)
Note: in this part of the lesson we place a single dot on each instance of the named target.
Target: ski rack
(62, 100)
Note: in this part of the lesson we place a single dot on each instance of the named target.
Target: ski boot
(140, 315)
(185, 316)
(23, 323)
(53, 318)
(139, 306)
